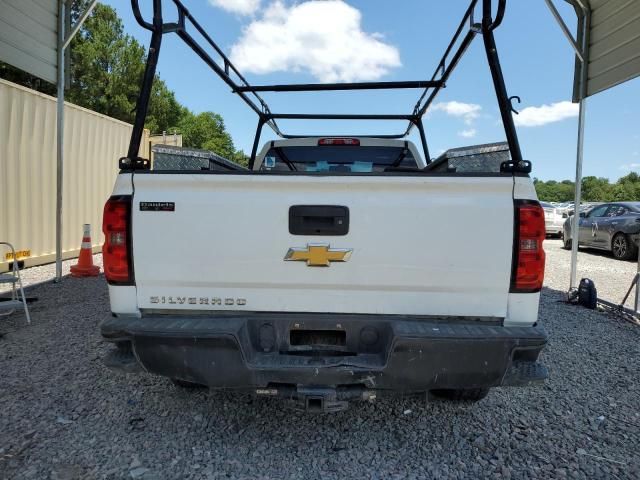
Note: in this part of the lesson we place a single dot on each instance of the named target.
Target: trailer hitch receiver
(319, 399)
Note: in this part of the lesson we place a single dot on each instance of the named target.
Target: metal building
(93, 144)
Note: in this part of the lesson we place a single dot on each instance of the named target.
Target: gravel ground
(612, 277)
(45, 273)
(65, 416)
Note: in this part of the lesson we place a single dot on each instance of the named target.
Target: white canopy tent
(607, 47)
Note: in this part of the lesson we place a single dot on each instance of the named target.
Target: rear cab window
(366, 155)
(344, 158)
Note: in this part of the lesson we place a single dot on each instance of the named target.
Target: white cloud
(630, 166)
(242, 7)
(324, 38)
(544, 114)
(468, 111)
(468, 133)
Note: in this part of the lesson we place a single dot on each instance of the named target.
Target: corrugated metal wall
(93, 143)
(614, 43)
(28, 36)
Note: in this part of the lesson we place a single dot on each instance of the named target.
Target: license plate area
(318, 338)
(318, 343)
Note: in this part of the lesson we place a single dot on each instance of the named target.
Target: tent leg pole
(575, 232)
(637, 282)
(60, 138)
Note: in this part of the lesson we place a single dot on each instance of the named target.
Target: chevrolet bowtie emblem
(318, 255)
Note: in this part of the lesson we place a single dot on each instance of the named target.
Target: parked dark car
(611, 226)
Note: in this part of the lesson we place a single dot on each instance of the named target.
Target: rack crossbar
(339, 116)
(322, 87)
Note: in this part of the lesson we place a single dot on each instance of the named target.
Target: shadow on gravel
(603, 253)
(596, 252)
(64, 415)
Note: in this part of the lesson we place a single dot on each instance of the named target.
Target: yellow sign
(318, 255)
(19, 254)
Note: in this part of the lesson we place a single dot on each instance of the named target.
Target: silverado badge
(318, 254)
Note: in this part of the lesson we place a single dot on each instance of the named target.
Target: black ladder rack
(249, 93)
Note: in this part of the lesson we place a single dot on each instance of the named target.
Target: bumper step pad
(122, 359)
(522, 374)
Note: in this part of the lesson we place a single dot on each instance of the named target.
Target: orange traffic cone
(85, 266)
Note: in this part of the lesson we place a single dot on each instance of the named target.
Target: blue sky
(403, 40)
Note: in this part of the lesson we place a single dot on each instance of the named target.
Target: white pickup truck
(335, 268)
(327, 275)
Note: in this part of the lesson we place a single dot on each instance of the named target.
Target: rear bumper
(375, 352)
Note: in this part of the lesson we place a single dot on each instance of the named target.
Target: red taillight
(115, 251)
(528, 271)
(339, 141)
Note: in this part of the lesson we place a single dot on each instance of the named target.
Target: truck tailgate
(419, 245)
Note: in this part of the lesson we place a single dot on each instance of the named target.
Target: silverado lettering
(196, 300)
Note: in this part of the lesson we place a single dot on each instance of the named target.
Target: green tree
(106, 71)
(241, 158)
(15, 75)
(165, 112)
(565, 191)
(107, 67)
(628, 186)
(621, 192)
(552, 191)
(595, 189)
(206, 130)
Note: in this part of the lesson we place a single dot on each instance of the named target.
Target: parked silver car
(553, 219)
(614, 227)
